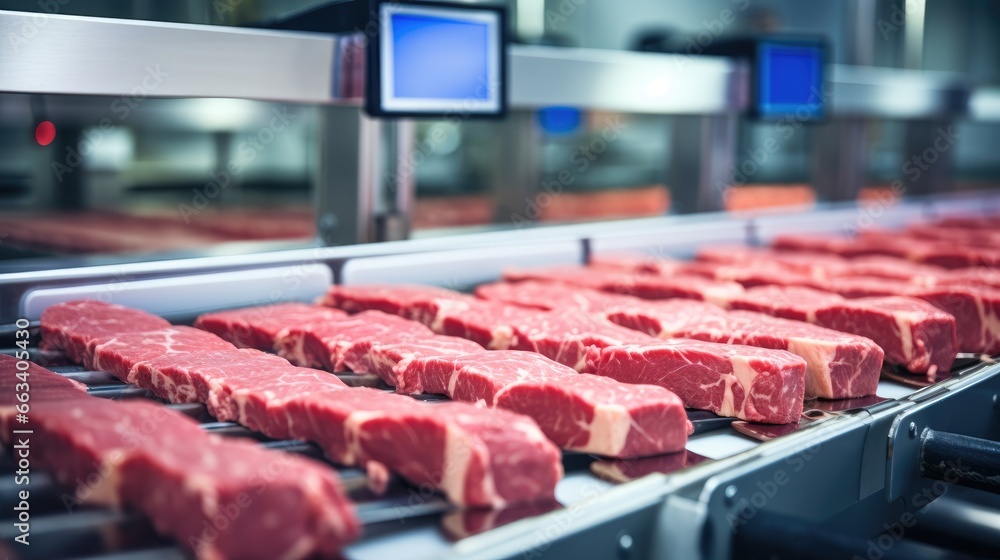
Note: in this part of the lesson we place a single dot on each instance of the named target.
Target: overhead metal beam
(48, 53)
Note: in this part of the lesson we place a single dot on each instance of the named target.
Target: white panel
(677, 240)
(578, 487)
(50, 53)
(189, 295)
(716, 445)
(893, 390)
(458, 269)
(984, 104)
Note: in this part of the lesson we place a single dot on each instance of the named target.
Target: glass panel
(92, 175)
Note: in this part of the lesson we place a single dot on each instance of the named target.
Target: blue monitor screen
(790, 80)
(439, 58)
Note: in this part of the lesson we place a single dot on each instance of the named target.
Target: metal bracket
(945, 411)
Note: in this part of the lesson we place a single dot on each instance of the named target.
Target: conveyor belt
(393, 522)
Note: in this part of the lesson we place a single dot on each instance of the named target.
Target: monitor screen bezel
(380, 99)
(770, 111)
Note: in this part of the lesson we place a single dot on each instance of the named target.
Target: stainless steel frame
(686, 515)
(93, 56)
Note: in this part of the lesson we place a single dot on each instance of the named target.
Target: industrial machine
(912, 473)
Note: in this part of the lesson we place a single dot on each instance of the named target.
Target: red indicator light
(45, 133)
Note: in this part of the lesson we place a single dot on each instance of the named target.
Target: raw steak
(751, 275)
(748, 383)
(976, 309)
(565, 336)
(974, 304)
(119, 355)
(477, 457)
(639, 284)
(831, 354)
(912, 332)
(838, 365)
(258, 327)
(947, 255)
(801, 262)
(969, 222)
(324, 344)
(579, 412)
(76, 327)
(444, 312)
(165, 465)
(144, 456)
(42, 384)
(963, 236)
(550, 295)
(395, 300)
(380, 358)
(356, 426)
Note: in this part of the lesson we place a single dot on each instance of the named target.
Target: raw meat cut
(579, 412)
(395, 300)
(809, 263)
(391, 357)
(258, 327)
(357, 426)
(976, 309)
(947, 255)
(575, 339)
(839, 365)
(487, 323)
(373, 356)
(476, 456)
(457, 448)
(912, 332)
(119, 355)
(76, 327)
(360, 344)
(965, 294)
(444, 312)
(753, 384)
(639, 284)
(963, 236)
(969, 222)
(324, 344)
(43, 384)
(144, 456)
(546, 296)
(565, 335)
